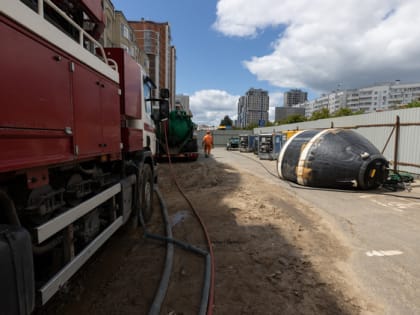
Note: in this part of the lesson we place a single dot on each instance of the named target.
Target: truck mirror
(164, 93)
(155, 115)
(163, 109)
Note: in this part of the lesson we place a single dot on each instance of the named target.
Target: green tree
(343, 111)
(226, 121)
(292, 119)
(269, 124)
(320, 114)
(413, 104)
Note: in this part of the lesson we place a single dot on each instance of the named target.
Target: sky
(226, 47)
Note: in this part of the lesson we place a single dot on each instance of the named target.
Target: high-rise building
(294, 97)
(253, 108)
(155, 40)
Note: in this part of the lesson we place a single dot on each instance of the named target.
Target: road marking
(390, 205)
(381, 253)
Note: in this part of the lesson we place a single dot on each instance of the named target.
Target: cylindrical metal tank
(180, 127)
(332, 158)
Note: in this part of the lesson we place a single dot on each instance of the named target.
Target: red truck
(77, 144)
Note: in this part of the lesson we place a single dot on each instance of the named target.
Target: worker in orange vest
(207, 143)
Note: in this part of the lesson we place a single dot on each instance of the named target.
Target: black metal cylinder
(332, 158)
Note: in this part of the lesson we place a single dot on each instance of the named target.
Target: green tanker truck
(176, 137)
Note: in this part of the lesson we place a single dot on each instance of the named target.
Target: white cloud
(211, 106)
(329, 42)
(276, 100)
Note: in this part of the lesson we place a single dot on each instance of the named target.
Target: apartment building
(293, 97)
(379, 97)
(253, 108)
(281, 113)
(154, 39)
(107, 36)
(118, 33)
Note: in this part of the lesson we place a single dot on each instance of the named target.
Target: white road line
(397, 207)
(381, 253)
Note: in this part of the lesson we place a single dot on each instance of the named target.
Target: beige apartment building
(154, 39)
(148, 42)
(118, 33)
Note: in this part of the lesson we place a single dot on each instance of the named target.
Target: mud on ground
(273, 254)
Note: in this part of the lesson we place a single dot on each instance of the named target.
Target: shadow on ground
(271, 257)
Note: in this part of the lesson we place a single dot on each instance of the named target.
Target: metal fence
(395, 133)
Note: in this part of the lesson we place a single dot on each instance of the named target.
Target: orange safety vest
(208, 140)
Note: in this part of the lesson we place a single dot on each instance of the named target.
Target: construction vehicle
(77, 145)
(233, 143)
(176, 137)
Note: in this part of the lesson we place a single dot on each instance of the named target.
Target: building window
(133, 51)
(125, 32)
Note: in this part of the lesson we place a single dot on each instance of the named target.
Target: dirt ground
(272, 254)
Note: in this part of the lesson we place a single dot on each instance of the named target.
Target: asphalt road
(381, 228)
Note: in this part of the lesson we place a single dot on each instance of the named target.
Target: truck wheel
(146, 194)
(8, 215)
(191, 146)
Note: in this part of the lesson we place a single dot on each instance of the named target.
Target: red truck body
(74, 163)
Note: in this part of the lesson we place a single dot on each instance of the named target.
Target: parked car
(233, 143)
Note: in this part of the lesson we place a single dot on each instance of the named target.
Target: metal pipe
(82, 33)
(376, 125)
(387, 141)
(48, 246)
(397, 142)
(407, 164)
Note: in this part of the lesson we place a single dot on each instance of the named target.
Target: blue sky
(225, 47)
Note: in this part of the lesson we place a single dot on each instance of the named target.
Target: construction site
(278, 247)
(113, 202)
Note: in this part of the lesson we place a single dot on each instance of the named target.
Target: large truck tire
(146, 193)
(191, 146)
(17, 285)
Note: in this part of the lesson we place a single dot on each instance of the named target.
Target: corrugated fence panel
(383, 137)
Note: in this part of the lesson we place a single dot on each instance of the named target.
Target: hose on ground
(164, 282)
(207, 272)
(206, 234)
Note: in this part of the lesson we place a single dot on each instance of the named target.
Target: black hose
(207, 271)
(210, 300)
(164, 282)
